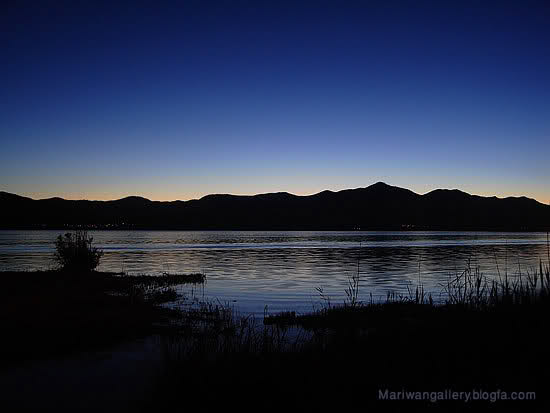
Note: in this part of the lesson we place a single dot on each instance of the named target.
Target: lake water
(284, 270)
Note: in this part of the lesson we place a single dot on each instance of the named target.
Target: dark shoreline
(408, 343)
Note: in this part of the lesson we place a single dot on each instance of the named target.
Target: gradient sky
(101, 101)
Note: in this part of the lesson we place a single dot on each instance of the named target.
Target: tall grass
(472, 289)
(213, 332)
(408, 340)
(469, 290)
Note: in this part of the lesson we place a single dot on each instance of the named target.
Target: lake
(285, 270)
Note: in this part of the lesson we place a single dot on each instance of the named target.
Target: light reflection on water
(283, 269)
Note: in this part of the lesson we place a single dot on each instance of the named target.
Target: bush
(74, 251)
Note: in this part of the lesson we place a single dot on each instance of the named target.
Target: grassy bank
(490, 336)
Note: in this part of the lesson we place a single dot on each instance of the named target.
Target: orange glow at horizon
(166, 196)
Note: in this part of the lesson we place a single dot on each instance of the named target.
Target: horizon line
(274, 192)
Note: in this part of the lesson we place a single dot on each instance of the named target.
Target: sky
(167, 101)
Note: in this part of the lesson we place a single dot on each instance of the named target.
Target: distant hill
(376, 207)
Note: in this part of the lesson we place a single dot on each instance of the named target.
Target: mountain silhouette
(376, 207)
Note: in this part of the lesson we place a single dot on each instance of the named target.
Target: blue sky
(176, 102)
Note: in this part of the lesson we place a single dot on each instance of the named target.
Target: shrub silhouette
(74, 251)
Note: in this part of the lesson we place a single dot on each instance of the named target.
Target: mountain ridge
(376, 207)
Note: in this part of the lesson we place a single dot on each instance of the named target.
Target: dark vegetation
(489, 334)
(377, 207)
(74, 252)
(52, 313)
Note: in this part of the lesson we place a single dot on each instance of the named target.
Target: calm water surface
(283, 270)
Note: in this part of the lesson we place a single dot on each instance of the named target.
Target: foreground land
(489, 340)
(49, 313)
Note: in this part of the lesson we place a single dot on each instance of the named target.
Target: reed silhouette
(488, 334)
